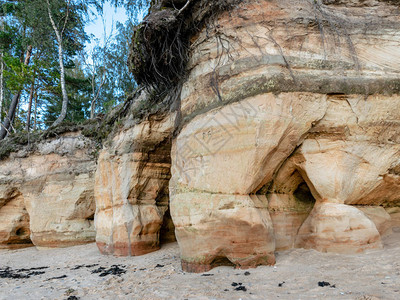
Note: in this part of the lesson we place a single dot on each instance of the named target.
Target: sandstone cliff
(47, 194)
(290, 123)
(286, 132)
(131, 186)
(275, 125)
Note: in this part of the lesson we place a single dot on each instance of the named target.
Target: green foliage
(107, 70)
(16, 73)
(78, 89)
(8, 36)
(25, 23)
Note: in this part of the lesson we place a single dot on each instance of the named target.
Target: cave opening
(290, 202)
(91, 217)
(303, 196)
(22, 232)
(167, 231)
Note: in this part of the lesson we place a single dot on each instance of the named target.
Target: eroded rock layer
(288, 135)
(131, 189)
(290, 132)
(47, 195)
(14, 225)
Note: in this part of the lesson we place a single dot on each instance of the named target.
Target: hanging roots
(160, 45)
(159, 51)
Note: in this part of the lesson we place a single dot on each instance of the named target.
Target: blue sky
(111, 16)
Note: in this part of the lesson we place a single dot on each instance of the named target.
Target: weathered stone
(293, 46)
(257, 133)
(285, 96)
(287, 136)
(287, 213)
(340, 228)
(380, 217)
(14, 225)
(214, 229)
(131, 189)
(61, 207)
(356, 165)
(290, 203)
(394, 213)
(350, 157)
(50, 192)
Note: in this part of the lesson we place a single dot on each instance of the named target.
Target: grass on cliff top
(97, 129)
(28, 140)
(138, 106)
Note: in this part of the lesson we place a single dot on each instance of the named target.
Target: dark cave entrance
(303, 195)
(290, 202)
(167, 231)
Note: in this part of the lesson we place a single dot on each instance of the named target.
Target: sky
(111, 16)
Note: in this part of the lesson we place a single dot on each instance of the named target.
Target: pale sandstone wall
(14, 225)
(131, 189)
(298, 101)
(47, 195)
(288, 136)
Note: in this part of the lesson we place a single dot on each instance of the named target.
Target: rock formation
(131, 188)
(290, 125)
(284, 132)
(14, 225)
(233, 152)
(47, 194)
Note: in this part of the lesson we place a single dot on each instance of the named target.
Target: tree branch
(66, 18)
(184, 7)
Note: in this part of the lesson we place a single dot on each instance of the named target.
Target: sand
(372, 275)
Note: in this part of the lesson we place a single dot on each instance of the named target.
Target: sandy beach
(81, 272)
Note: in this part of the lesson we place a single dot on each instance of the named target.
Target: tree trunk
(28, 114)
(92, 109)
(63, 113)
(14, 103)
(1, 76)
(7, 121)
(35, 113)
(93, 104)
(96, 95)
(16, 115)
(1, 86)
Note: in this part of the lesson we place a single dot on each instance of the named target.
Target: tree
(28, 114)
(44, 81)
(69, 12)
(79, 93)
(16, 52)
(107, 70)
(1, 72)
(59, 34)
(56, 40)
(13, 106)
(97, 67)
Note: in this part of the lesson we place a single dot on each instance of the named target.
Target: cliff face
(47, 195)
(285, 134)
(290, 134)
(131, 188)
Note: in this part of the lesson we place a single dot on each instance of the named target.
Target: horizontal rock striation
(290, 132)
(131, 189)
(14, 225)
(47, 195)
(286, 134)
